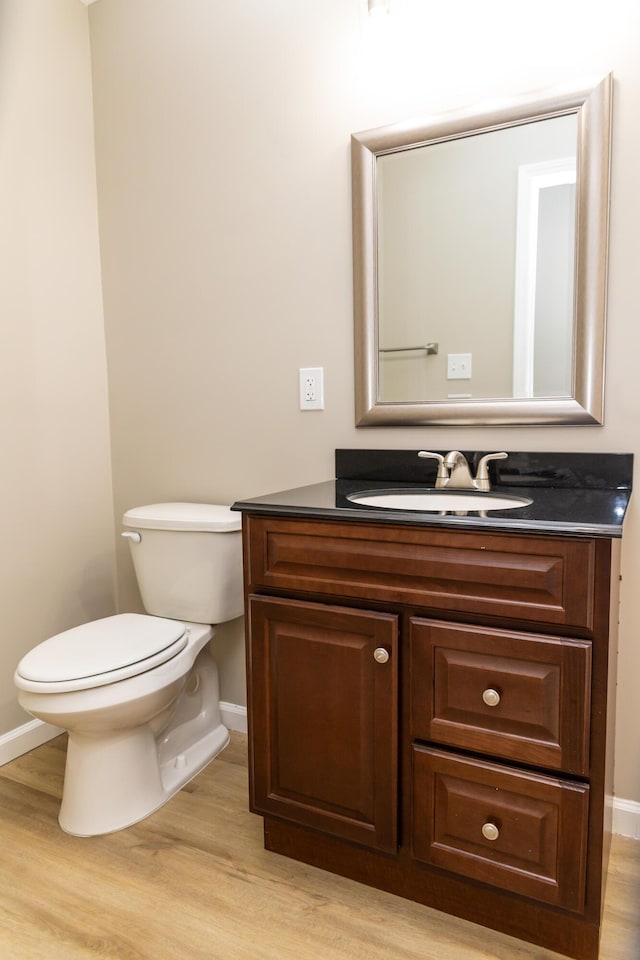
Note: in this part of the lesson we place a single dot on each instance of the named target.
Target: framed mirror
(480, 264)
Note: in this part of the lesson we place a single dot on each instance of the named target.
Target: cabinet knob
(380, 655)
(490, 831)
(491, 697)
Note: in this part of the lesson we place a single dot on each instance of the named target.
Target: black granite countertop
(571, 493)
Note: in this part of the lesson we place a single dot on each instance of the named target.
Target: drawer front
(505, 827)
(542, 579)
(510, 694)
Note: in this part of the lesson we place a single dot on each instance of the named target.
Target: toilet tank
(188, 560)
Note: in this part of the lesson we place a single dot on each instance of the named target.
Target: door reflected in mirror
(480, 264)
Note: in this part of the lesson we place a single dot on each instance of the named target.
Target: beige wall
(57, 558)
(222, 135)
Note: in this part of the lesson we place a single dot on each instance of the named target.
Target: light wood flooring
(193, 882)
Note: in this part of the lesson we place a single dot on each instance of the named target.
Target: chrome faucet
(459, 474)
(454, 472)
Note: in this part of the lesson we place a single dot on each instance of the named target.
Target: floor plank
(193, 882)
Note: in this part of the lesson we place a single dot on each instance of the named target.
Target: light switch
(458, 366)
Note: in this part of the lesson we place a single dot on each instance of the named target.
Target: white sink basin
(436, 500)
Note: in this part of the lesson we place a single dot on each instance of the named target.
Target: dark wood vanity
(431, 713)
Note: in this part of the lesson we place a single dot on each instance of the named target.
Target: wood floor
(193, 882)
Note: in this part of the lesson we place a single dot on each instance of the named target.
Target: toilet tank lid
(183, 516)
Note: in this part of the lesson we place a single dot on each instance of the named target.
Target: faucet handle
(443, 474)
(482, 473)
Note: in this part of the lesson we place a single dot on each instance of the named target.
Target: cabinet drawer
(509, 828)
(542, 579)
(510, 694)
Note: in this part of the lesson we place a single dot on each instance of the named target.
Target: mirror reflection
(480, 247)
(475, 254)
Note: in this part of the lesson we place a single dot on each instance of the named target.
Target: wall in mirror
(480, 264)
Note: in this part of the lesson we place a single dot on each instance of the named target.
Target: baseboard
(234, 716)
(24, 738)
(626, 818)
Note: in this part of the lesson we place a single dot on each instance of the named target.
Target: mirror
(480, 249)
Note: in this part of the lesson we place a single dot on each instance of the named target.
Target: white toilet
(139, 694)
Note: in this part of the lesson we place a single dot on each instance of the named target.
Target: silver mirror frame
(593, 105)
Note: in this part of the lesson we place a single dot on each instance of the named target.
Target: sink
(436, 500)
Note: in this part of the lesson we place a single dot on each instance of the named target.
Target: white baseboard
(626, 818)
(234, 716)
(24, 738)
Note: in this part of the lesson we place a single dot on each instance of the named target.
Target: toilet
(138, 693)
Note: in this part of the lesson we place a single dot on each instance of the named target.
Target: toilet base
(113, 781)
(178, 770)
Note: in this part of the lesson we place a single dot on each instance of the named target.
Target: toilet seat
(101, 652)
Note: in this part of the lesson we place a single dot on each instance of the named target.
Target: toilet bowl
(138, 693)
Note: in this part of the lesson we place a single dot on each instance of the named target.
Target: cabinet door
(323, 695)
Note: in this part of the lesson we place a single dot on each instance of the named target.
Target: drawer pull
(491, 697)
(380, 655)
(490, 831)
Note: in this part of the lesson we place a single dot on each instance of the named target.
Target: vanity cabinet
(429, 714)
